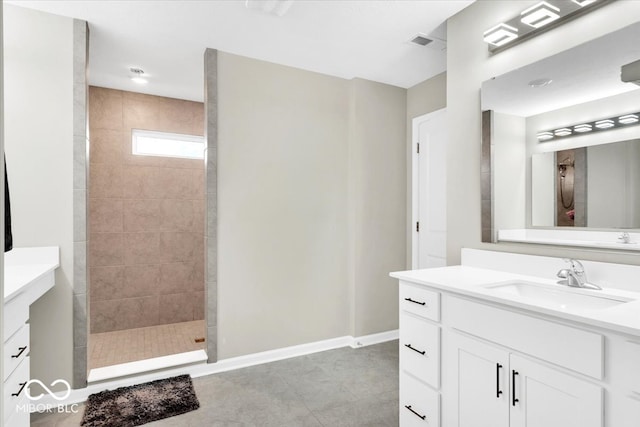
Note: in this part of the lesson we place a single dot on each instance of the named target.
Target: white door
(429, 190)
(482, 384)
(545, 397)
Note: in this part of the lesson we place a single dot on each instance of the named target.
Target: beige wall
(377, 203)
(468, 65)
(289, 272)
(423, 98)
(146, 215)
(38, 61)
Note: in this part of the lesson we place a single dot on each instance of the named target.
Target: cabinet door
(545, 397)
(482, 384)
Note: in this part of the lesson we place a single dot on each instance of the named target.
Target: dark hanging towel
(8, 237)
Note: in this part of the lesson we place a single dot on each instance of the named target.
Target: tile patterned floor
(343, 387)
(111, 348)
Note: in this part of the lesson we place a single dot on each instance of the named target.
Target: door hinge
(418, 226)
(418, 147)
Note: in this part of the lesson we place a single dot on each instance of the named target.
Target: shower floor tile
(112, 348)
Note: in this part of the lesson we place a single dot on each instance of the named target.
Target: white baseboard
(203, 369)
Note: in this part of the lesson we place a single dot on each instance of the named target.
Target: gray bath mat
(141, 404)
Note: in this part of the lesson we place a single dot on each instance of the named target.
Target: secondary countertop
(24, 266)
(473, 282)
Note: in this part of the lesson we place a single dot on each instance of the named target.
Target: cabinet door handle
(422, 417)
(513, 388)
(22, 349)
(498, 391)
(19, 391)
(414, 301)
(409, 346)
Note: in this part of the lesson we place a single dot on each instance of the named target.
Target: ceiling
(361, 38)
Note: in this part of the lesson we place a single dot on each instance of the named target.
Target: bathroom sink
(561, 298)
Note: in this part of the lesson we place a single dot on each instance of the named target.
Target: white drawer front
(14, 385)
(16, 350)
(632, 359)
(21, 417)
(420, 349)
(16, 314)
(572, 348)
(419, 405)
(420, 301)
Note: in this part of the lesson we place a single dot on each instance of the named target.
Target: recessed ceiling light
(500, 34)
(136, 75)
(540, 15)
(540, 82)
(582, 3)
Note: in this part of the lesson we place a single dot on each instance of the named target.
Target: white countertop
(473, 282)
(23, 266)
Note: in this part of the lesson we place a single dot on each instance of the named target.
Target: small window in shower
(162, 144)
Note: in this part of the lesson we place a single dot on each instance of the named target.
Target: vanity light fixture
(628, 119)
(562, 132)
(500, 34)
(540, 15)
(585, 127)
(545, 136)
(605, 124)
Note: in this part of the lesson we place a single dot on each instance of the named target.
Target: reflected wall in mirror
(586, 179)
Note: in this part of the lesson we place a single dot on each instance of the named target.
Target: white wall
(468, 65)
(38, 79)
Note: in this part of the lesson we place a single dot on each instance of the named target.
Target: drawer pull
(513, 388)
(19, 391)
(409, 346)
(415, 302)
(422, 417)
(498, 391)
(22, 349)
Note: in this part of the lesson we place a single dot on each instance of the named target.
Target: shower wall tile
(105, 146)
(128, 313)
(143, 215)
(106, 215)
(142, 248)
(147, 215)
(105, 107)
(106, 181)
(106, 249)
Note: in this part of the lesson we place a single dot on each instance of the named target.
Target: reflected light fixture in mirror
(541, 17)
(609, 123)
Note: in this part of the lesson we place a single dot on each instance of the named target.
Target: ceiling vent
(630, 73)
(421, 40)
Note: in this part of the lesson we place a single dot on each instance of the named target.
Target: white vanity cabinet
(496, 388)
(419, 356)
(29, 274)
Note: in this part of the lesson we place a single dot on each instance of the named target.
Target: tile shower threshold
(131, 369)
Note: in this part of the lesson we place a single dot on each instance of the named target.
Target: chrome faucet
(575, 276)
(625, 237)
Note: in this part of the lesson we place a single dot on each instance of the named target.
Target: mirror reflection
(576, 177)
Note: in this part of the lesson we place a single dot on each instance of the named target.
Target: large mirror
(562, 137)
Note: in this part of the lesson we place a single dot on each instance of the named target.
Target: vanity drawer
(632, 353)
(14, 385)
(572, 348)
(420, 349)
(419, 405)
(16, 350)
(420, 301)
(19, 418)
(16, 314)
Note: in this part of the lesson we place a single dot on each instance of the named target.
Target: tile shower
(146, 225)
